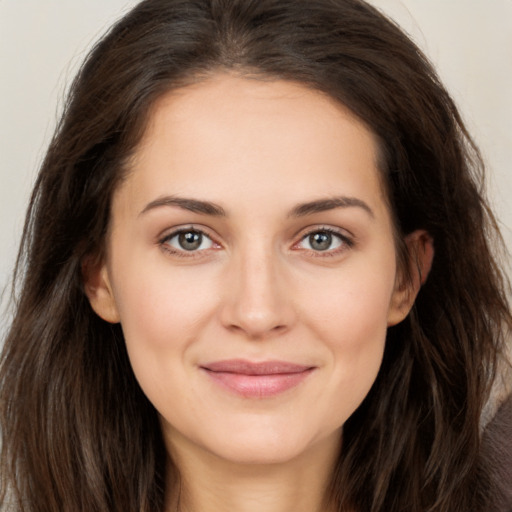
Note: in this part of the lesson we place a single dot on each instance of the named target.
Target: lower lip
(258, 386)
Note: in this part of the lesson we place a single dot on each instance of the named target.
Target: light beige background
(42, 43)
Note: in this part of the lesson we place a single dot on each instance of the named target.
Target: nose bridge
(257, 300)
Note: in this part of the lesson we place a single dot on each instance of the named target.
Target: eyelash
(183, 253)
(346, 242)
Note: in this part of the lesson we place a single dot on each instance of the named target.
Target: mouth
(256, 379)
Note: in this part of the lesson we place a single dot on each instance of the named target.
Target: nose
(257, 299)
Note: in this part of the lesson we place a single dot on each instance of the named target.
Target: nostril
(256, 329)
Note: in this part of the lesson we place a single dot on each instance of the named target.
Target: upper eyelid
(168, 233)
(342, 232)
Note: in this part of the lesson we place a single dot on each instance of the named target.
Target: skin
(256, 288)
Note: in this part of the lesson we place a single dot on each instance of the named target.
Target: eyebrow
(322, 205)
(301, 210)
(192, 205)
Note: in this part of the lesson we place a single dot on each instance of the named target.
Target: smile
(256, 380)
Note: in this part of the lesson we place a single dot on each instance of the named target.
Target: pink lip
(257, 380)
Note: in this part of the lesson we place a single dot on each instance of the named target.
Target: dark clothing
(496, 461)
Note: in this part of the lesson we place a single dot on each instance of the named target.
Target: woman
(256, 273)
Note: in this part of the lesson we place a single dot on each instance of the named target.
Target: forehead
(237, 138)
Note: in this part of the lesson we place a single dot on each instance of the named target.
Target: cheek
(157, 297)
(351, 305)
(161, 312)
(350, 314)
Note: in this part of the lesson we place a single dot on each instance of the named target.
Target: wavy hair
(77, 431)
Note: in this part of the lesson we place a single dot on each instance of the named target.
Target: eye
(188, 240)
(324, 240)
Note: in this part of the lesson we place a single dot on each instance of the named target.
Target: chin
(269, 446)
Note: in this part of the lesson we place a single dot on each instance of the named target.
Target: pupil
(320, 241)
(190, 240)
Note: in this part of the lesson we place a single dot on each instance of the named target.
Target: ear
(98, 289)
(420, 248)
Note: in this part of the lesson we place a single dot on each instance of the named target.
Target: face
(251, 263)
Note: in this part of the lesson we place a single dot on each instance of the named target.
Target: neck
(208, 483)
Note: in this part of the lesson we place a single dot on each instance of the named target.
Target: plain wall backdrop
(42, 43)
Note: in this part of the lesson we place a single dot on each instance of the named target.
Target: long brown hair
(77, 431)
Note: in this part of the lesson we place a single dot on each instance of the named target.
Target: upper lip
(244, 367)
